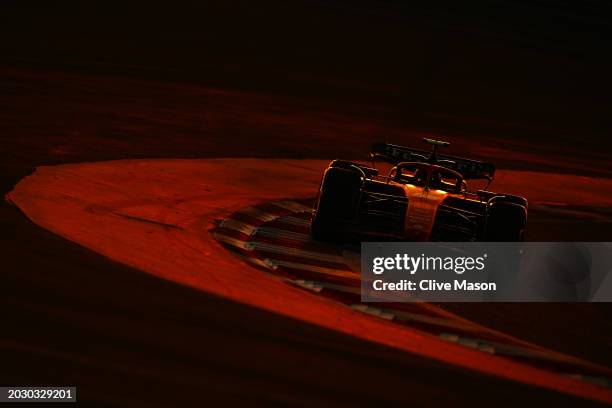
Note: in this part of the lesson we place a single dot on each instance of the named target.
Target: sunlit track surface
(276, 237)
(161, 216)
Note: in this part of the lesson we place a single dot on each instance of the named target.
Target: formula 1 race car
(424, 197)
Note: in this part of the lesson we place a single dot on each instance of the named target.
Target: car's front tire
(506, 222)
(336, 204)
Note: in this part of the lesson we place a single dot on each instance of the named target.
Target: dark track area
(127, 339)
(303, 79)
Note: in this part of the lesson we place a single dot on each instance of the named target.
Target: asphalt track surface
(163, 217)
(125, 338)
(526, 86)
(74, 317)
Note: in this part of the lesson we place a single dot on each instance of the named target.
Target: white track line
(265, 216)
(297, 252)
(310, 285)
(415, 317)
(504, 349)
(373, 311)
(231, 241)
(325, 285)
(281, 233)
(255, 261)
(257, 213)
(469, 342)
(274, 263)
(250, 230)
(240, 226)
(517, 351)
(292, 206)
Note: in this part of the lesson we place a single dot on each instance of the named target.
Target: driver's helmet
(436, 179)
(420, 176)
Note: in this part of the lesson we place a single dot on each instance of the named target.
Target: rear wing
(469, 169)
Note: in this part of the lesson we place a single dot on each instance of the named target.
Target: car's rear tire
(337, 203)
(506, 222)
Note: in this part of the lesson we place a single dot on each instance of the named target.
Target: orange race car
(424, 196)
